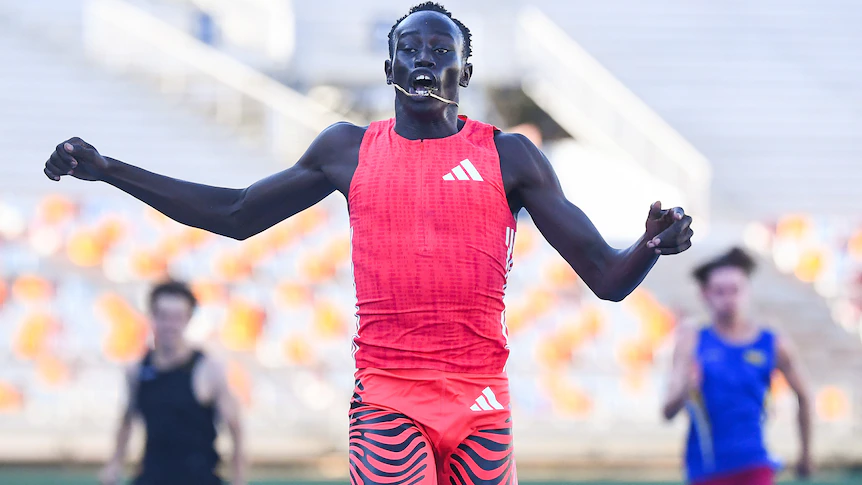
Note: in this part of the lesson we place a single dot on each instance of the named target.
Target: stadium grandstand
(745, 113)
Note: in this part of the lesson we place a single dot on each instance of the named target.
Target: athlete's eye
(408, 50)
(441, 50)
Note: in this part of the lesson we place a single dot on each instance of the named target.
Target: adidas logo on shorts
(486, 402)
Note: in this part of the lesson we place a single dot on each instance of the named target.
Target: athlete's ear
(466, 74)
(387, 68)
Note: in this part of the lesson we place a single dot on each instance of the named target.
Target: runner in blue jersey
(722, 372)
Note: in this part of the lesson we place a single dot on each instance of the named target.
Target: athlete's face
(726, 293)
(428, 55)
(170, 317)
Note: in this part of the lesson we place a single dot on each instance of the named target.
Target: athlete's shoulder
(210, 367)
(337, 143)
(514, 144)
(522, 162)
(342, 134)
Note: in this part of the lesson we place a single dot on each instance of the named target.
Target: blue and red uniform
(432, 239)
(725, 441)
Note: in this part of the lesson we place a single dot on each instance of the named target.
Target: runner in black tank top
(181, 433)
(179, 393)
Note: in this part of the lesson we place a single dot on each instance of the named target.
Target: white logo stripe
(475, 407)
(459, 173)
(492, 399)
(483, 404)
(474, 174)
(448, 176)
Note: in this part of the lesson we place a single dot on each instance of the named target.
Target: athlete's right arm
(112, 473)
(685, 375)
(235, 213)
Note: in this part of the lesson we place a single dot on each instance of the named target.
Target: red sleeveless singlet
(432, 239)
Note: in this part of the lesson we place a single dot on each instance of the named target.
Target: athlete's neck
(168, 356)
(438, 124)
(736, 329)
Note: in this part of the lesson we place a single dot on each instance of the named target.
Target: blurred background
(748, 114)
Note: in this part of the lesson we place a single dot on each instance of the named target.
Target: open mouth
(422, 84)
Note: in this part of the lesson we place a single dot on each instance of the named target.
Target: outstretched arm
(610, 273)
(788, 363)
(235, 213)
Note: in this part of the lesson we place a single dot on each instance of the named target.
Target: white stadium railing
(130, 39)
(589, 102)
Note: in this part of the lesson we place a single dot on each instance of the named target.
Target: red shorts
(763, 475)
(423, 427)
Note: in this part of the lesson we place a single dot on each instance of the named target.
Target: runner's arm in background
(789, 365)
(685, 375)
(235, 213)
(228, 412)
(112, 473)
(610, 273)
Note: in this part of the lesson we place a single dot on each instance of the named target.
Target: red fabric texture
(432, 238)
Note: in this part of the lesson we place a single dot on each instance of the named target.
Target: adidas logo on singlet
(464, 171)
(486, 402)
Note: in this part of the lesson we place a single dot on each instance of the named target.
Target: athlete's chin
(425, 106)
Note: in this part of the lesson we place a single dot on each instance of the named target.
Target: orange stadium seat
(636, 381)
(34, 336)
(55, 209)
(310, 219)
(518, 317)
(810, 265)
(832, 404)
(552, 353)
(110, 230)
(85, 248)
(328, 321)
(149, 264)
(317, 268)
(298, 350)
(243, 325)
(194, 237)
(32, 288)
(11, 398)
(540, 301)
(568, 399)
(282, 234)
(232, 266)
(635, 354)
(854, 246)
(794, 227)
(256, 249)
(560, 275)
(170, 246)
(52, 371)
(657, 321)
(209, 292)
(127, 329)
(292, 295)
(525, 241)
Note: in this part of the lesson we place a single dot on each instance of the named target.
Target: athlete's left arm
(788, 363)
(227, 409)
(610, 273)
